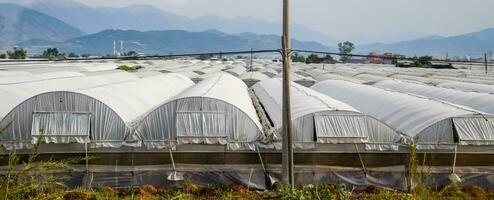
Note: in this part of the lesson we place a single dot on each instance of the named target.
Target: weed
(129, 69)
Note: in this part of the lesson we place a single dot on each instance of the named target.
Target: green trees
(51, 53)
(345, 48)
(298, 58)
(73, 55)
(421, 61)
(132, 54)
(312, 58)
(17, 53)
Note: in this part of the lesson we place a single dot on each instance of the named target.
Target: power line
(279, 51)
(151, 56)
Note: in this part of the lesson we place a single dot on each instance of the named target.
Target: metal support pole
(288, 178)
(251, 61)
(490, 60)
(486, 64)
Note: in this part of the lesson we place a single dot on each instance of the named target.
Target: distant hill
(19, 24)
(172, 41)
(474, 44)
(148, 18)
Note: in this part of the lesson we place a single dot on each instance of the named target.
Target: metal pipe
(485, 58)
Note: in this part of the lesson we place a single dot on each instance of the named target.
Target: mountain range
(473, 44)
(166, 42)
(18, 24)
(149, 18)
(64, 24)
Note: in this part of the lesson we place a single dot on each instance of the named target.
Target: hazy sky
(344, 18)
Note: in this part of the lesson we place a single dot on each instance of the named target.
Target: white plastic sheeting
(478, 101)
(431, 122)
(470, 80)
(300, 79)
(318, 118)
(218, 110)
(209, 69)
(24, 78)
(419, 79)
(236, 70)
(268, 71)
(370, 78)
(113, 109)
(5, 73)
(14, 94)
(251, 78)
(471, 87)
(322, 75)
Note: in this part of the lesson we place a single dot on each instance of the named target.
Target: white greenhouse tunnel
(15, 93)
(469, 87)
(435, 124)
(251, 78)
(218, 110)
(318, 118)
(478, 101)
(300, 79)
(18, 77)
(103, 116)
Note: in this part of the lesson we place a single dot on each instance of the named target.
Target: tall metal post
(490, 59)
(288, 177)
(251, 59)
(486, 63)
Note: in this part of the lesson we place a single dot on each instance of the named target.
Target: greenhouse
(102, 115)
(17, 78)
(206, 113)
(236, 70)
(322, 75)
(318, 118)
(300, 79)
(469, 87)
(251, 78)
(433, 123)
(478, 101)
(370, 78)
(418, 79)
(16, 93)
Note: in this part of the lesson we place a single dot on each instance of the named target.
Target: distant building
(440, 65)
(405, 63)
(374, 58)
(386, 58)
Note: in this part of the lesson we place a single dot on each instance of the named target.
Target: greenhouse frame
(205, 114)
(434, 124)
(320, 119)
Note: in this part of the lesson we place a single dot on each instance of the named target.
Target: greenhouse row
(221, 121)
(166, 110)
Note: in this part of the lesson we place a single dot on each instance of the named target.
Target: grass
(32, 179)
(337, 192)
(129, 69)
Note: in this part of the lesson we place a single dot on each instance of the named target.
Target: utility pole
(287, 155)
(251, 55)
(469, 62)
(490, 59)
(486, 63)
